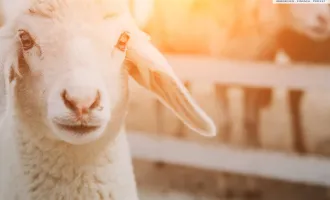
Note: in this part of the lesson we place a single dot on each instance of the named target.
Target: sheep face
(312, 20)
(71, 80)
(71, 76)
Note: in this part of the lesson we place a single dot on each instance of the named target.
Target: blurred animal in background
(306, 42)
(248, 31)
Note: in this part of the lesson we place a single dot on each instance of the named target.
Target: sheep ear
(7, 75)
(8, 59)
(151, 70)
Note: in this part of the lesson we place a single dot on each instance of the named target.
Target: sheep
(302, 33)
(309, 48)
(258, 26)
(65, 69)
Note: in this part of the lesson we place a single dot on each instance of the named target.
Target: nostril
(69, 103)
(82, 106)
(97, 101)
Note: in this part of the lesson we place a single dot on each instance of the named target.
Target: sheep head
(69, 66)
(312, 20)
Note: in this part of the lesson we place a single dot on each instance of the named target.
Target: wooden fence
(275, 165)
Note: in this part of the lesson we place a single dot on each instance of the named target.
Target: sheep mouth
(78, 129)
(319, 30)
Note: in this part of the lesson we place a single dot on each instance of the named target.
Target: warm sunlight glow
(142, 11)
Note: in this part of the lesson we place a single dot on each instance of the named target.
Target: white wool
(113, 173)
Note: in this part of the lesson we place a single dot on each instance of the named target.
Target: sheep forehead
(59, 39)
(83, 9)
(50, 32)
(77, 14)
(59, 32)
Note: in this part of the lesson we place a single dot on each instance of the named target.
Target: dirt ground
(169, 182)
(177, 182)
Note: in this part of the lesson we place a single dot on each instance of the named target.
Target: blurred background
(260, 71)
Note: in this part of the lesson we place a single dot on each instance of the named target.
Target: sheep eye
(26, 40)
(123, 40)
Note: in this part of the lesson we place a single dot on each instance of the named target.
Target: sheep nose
(81, 105)
(322, 20)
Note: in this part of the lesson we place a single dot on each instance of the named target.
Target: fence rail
(281, 166)
(292, 168)
(263, 74)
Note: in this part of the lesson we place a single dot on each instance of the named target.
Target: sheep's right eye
(27, 41)
(123, 40)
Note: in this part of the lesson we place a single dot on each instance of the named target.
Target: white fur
(306, 20)
(75, 52)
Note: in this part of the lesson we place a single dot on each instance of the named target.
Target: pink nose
(322, 20)
(81, 105)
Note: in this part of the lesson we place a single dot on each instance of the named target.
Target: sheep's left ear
(151, 70)
(8, 59)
